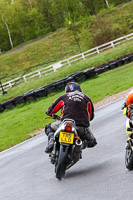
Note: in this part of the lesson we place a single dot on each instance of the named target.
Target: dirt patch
(38, 132)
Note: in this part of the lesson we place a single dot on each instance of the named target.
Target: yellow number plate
(66, 137)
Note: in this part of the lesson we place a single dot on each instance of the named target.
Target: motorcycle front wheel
(129, 159)
(60, 166)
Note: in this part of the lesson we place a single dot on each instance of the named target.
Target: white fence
(52, 68)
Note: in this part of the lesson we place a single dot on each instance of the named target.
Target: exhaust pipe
(77, 150)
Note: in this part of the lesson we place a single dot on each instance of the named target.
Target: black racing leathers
(75, 105)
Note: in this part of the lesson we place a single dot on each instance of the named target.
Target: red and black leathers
(75, 105)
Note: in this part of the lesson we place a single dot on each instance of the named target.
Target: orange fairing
(129, 99)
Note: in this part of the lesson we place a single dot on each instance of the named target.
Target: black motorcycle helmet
(72, 86)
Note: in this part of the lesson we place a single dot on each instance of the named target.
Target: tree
(107, 3)
(30, 3)
(8, 30)
(58, 13)
(5, 18)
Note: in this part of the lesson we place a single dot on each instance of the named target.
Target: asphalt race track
(26, 173)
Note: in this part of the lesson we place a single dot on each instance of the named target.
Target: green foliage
(109, 24)
(30, 19)
(86, 38)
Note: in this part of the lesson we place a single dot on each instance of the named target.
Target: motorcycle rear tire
(60, 166)
(129, 159)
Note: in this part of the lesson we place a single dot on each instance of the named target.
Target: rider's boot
(91, 143)
(50, 133)
(50, 145)
(128, 146)
(91, 140)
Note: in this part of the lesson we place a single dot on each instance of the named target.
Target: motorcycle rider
(128, 111)
(77, 106)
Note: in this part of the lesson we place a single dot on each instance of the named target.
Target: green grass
(16, 124)
(54, 48)
(93, 61)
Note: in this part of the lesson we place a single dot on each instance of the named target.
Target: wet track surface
(26, 173)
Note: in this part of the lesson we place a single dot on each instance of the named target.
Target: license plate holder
(66, 137)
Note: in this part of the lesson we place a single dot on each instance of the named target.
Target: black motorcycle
(67, 147)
